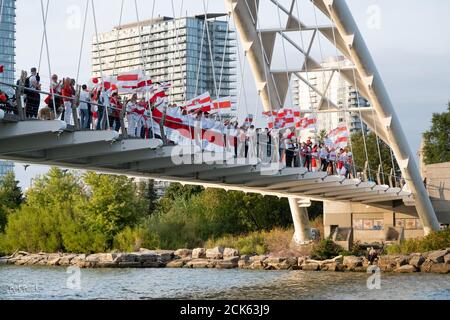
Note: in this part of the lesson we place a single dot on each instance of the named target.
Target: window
(408, 224)
(368, 224)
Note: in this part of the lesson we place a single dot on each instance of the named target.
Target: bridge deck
(52, 143)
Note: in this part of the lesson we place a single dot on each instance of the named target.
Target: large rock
(311, 266)
(437, 256)
(179, 263)
(442, 268)
(165, 255)
(416, 260)
(199, 253)
(230, 252)
(352, 262)
(79, 261)
(257, 265)
(227, 264)
(447, 258)
(183, 253)
(66, 259)
(244, 264)
(402, 261)
(258, 258)
(53, 260)
(215, 253)
(388, 263)
(426, 266)
(406, 269)
(199, 263)
(333, 266)
(149, 257)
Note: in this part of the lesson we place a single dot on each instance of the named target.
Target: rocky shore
(227, 258)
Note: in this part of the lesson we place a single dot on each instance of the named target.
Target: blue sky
(409, 45)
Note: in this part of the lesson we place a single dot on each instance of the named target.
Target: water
(52, 283)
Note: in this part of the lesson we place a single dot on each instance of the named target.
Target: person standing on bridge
(68, 95)
(33, 96)
(85, 98)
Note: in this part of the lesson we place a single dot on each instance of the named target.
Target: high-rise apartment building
(7, 42)
(5, 167)
(340, 92)
(193, 53)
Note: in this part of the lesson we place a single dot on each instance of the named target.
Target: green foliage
(437, 139)
(326, 249)
(359, 155)
(66, 213)
(434, 241)
(10, 198)
(252, 243)
(132, 239)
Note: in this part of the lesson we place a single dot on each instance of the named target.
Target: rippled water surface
(55, 283)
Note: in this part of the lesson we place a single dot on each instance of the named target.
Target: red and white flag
(202, 102)
(308, 122)
(2, 69)
(220, 104)
(338, 137)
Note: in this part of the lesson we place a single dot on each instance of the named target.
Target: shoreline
(227, 258)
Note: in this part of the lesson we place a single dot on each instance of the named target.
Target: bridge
(55, 143)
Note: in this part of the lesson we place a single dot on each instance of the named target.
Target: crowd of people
(99, 109)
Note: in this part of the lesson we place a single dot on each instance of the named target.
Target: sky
(407, 39)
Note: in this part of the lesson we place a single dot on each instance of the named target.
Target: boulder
(258, 258)
(183, 253)
(334, 266)
(301, 261)
(199, 263)
(230, 252)
(129, 264)
(447, 258)
(66, 259)
(426, 266)
(199, 253)
(3, 261)
(416, 260)
(387, 263)
(437, 256)
(402, 261)
(53, 260)
(244, 264)
(407, 268)
(153, 264)
(227, 264)
(215, 253)
(179, 263)
(289, 264)
(360, 269)
(165, 255)
(442, 268)
(310, 266)
(149, 258)
(127, 257)
(351, 262)
(257, 265)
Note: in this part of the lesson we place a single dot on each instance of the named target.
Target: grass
(434, 241)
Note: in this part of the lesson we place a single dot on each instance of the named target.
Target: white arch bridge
(54, 143)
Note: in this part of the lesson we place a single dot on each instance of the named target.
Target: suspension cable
(82, 40)
(346, 115)
(100, 62)
(201, 55)
(43, 35)
(118, 37)
(48, 51)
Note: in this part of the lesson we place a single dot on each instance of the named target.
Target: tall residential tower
(196, 54)
(7, 41)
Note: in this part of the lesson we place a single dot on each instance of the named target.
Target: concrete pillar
(302, 230)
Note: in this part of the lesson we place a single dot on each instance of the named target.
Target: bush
(326, 249)
(434, 241)
(252, 243)
(132, 239)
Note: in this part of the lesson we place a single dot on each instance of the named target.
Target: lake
(55, 283)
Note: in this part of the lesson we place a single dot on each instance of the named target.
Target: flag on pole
(223, 103)
(338, 137)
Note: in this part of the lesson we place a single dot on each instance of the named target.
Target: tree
(11, 197)
(360, 155)
(437, 139)
(146, 190)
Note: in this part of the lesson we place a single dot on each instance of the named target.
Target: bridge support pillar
(302, 230)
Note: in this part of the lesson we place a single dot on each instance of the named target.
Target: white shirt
(84, 96)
